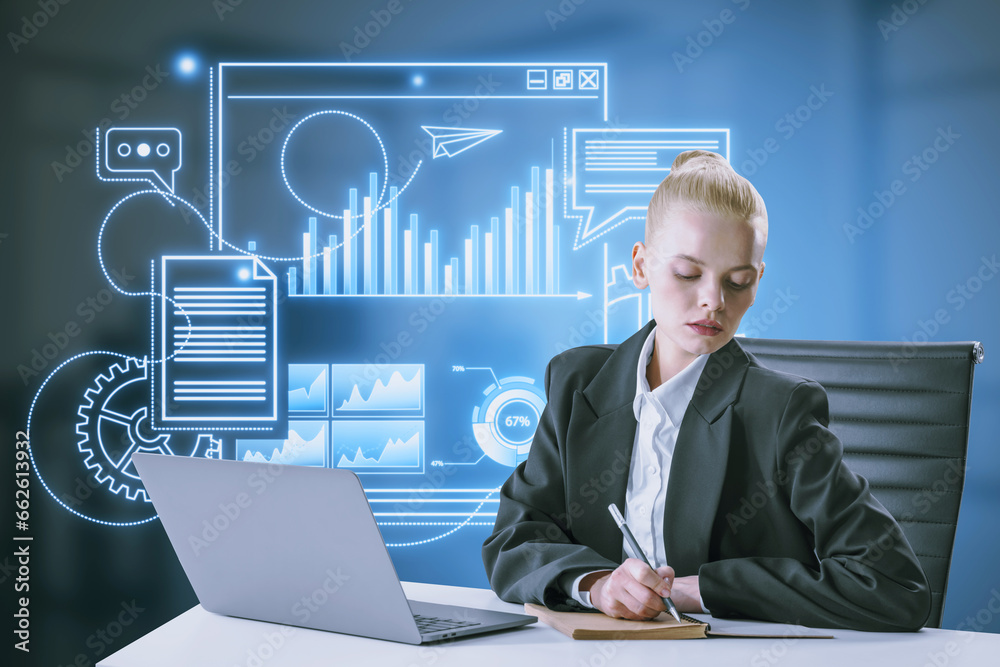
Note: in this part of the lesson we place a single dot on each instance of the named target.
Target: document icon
(218, 341)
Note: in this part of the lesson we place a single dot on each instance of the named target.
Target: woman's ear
(639, 278)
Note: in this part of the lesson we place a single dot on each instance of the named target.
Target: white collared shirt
(659, 414)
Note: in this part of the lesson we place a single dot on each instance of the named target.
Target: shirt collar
(674, 394)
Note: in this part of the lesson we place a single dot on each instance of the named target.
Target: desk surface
(198, 637)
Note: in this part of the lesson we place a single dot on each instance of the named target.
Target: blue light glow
(187, 64)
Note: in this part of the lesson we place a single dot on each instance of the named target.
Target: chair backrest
(902, 412)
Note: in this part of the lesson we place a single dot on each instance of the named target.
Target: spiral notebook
(582, 625)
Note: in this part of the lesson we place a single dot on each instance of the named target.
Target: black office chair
(902, 413)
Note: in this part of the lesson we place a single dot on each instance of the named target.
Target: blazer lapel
(602, 432)
(699, 462)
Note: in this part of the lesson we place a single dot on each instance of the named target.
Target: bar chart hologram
(513, 253)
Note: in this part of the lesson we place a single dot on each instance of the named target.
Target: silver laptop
(294, 545)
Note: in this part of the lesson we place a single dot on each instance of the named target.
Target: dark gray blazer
(759, 502)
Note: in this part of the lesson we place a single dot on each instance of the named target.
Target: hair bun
(697, 158)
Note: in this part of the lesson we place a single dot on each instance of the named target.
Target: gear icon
(114, 424)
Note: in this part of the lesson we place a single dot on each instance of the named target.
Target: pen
(633, 546)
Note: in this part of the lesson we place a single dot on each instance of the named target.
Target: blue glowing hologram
(64, 500)
(614, 171)
(538, 79)
(495, 260)
(383, 446)
(589, 79)
(504, 425)
(626, 308)
(383, 96)
(218, 333)
(562, 79)
(291, 133)
(308, 388)
(389, 390)
(144, 150)
(450, 141)
(403, 511)
(114, 424)
(306, 445)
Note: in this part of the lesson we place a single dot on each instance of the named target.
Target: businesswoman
(726, 471)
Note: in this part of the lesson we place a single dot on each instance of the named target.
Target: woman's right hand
(632, 591)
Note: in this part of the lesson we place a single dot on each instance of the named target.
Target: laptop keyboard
(429, 624)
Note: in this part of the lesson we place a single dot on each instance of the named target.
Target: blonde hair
(704, 182)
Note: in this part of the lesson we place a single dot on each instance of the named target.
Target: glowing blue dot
(187, 64)
(418, 80)
(244, 273)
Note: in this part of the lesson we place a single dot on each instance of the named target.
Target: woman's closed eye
(694, 276)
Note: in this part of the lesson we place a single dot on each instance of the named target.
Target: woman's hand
(635, 592)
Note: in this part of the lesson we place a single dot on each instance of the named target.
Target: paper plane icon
(450, 141)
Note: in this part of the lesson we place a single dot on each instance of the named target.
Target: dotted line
(577, 246)
(31, 453)
(211, 149)
(453, 530)
(379, 205)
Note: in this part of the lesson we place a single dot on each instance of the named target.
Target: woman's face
(702, 271)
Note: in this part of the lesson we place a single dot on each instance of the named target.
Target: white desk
(198, 637)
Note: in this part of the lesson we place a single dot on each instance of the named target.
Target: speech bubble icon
(615, 171)
(144, 150)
